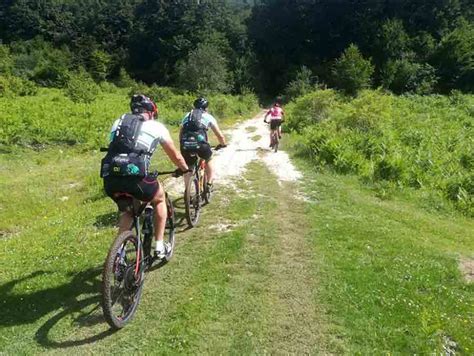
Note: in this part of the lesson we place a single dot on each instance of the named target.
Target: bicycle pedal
(160, 256)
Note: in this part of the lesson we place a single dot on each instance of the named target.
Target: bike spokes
(122, 280)
(192, 202)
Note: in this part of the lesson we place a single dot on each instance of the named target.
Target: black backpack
(194, 132)
(194, 122)
(123, 158)
(125, 137)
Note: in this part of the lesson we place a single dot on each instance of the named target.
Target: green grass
(220, 286)
(389, 271)
(343, 272)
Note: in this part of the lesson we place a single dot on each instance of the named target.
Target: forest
(270, 47)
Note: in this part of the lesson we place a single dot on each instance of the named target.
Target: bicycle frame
(137, 209)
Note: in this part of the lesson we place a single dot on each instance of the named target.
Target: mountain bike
(129, 258)
(197, 192)
(274, 136)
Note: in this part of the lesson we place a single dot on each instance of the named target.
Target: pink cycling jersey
(275, 113)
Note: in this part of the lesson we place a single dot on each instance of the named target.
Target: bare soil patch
(466, 265)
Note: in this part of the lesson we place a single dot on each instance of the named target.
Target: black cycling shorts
(143, 189)
(274, 124)
(204, 151)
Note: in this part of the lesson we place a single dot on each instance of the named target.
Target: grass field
(264, 272)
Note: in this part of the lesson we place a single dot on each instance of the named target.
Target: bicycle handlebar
(218, 147)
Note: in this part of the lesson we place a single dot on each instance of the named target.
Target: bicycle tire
(170, 229)
(132, 285)
(276, 142)
(206, 193)
(192, 201)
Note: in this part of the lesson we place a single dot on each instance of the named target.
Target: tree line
(270, 46)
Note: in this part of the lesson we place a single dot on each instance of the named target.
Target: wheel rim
(193, 204)
(126, 284)
(170, 229)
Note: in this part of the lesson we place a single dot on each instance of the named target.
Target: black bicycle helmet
(140, 103)
(201, 103)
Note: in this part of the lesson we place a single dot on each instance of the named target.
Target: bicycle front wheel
(192, 201)
(170, 229)
(122, 280)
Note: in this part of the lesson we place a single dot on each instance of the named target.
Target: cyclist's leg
(149, 189)
(205, 152)
(190, 160)
(112, 186)
(161, 212)
(210, 171)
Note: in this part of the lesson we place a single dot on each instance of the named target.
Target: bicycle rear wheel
(122, 280)
(192, 201)
(275, 141)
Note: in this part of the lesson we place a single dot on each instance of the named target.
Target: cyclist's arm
(113, 129)
(266, 115)
(174, 155)
(218, 133)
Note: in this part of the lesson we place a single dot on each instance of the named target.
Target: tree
(351, 71)
(205, 70)
(392, 41)
(455, 58)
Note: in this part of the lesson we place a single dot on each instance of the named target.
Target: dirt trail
(248, 142)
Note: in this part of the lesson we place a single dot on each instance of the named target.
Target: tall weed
(410, 141)
(50, 117)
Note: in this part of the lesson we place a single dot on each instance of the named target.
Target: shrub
(407, 141)
(50, 75)
(40, 61)
(310, 109)
(352, 72)
(139, 88)
(99, 65)
(301, 85)
(402, 76)
(389, 168)
(124, 80)
(81, 88)
(368, 113)
(161, 94)
(22, 87)
(10, 85)
(6, 60)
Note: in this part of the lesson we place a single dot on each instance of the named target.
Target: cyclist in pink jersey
(276, 115)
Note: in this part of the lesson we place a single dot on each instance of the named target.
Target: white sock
(160, 246)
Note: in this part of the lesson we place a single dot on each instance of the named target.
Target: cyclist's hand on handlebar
(178, 172)
(219, 146)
